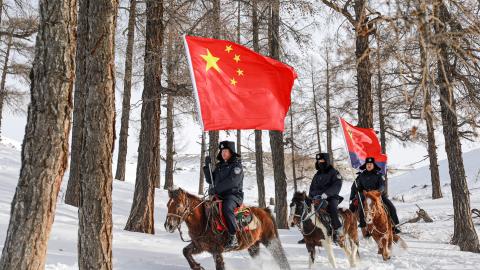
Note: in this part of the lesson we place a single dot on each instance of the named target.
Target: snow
(428, 246)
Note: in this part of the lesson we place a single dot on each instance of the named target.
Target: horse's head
(297, 208)
(177, 206)
(373, 201)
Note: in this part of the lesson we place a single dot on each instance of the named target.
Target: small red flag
(362, 143)
(237, 88)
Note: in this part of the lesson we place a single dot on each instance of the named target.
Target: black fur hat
(227, 145)
(370, 160)
(324, 156)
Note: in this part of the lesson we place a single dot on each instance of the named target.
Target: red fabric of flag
(362, 143)
(237, 88)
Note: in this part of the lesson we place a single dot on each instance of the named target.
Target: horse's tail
(275, 246)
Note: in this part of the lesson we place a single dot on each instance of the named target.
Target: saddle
(246, 220)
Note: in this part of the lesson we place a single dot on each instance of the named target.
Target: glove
(324, 196)
(208, 160)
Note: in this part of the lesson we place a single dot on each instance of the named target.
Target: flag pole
(348, 153)
(194, 83)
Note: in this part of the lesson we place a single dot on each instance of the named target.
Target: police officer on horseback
(226, 182)
(326, 185)
(371, 179)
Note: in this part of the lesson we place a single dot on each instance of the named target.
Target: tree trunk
(95, 210)
(258, 133)
(364, 76)
(201, 179)
(381, 116)
(170, 102)
(432, 149)
(315, 111)
(213, 136)
(294, 174)
(148, 166)
(45, 145)
(72, 195)
(464, 234)
(127, 92)
(276, 137)
(170, 135)
(328, 113)
(4, 75)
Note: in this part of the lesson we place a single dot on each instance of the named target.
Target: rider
(326, 184)
(227, 184)
(371, 179)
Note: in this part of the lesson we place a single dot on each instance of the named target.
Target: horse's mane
(177, 191)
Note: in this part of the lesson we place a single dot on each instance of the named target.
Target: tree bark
(201, 179)
(432, 150)
(464, 234)
(258, 133)
(276, 137)
(170, 102)
(45, 145)
(381, 116)
(213, 136)
(72, 195)
(95, 210)
(294, 174)
(315, 111)
(127, 92)
(364, 76)
(148, 166)
(328, 113)
(4, 75)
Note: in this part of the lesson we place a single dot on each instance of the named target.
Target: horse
(185, 207)
(313, 227)
(379, 225)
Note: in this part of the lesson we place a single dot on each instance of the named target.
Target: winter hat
(370, 160)
(227, 145)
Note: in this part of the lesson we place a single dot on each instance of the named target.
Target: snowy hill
(428, 243)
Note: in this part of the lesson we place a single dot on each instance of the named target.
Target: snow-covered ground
(428, 243)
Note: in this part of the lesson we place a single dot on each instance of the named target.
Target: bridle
(372, 211)
(184, 215)
(305, 216)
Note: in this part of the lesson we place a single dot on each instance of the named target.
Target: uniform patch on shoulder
(237, 170)
(339, 176)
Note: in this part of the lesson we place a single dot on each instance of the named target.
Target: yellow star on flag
(350, 134)
(236, 58)
(211, 61)
(233, 82)
(228, 48)
(240, 72)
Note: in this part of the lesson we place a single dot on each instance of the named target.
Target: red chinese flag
(237, 88)
(362, 143)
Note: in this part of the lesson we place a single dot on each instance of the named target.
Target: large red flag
(362, 143)
(237, 88)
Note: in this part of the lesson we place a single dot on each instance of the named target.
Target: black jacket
(368, 181)
(327, 181)
(227, 179)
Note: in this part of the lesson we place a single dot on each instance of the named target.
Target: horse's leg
(328, 244)
(354, 245)
(347, 248)
(188, 252)
(254, 250)
(311, 253)
(219, 263)
(275, 247)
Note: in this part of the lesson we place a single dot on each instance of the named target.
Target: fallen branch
(421, 215)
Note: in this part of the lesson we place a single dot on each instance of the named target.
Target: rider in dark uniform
(326, 184)
(228, 185)
(371, 179)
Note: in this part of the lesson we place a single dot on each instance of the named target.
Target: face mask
(322, 166)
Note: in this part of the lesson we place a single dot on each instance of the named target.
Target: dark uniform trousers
(228, 207)
(333, 212)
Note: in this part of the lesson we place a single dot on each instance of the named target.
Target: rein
(187, 212)
(373, 212)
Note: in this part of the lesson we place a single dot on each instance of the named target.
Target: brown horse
(378, 224)
(188, 208)
(313, 227)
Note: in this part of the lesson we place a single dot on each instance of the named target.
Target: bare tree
(148, 165)
(127, 92)
(45, 146)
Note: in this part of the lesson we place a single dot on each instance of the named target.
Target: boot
(232, 242)
(301, 241)
(396, 230)
(365, 232)
(336, 235)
